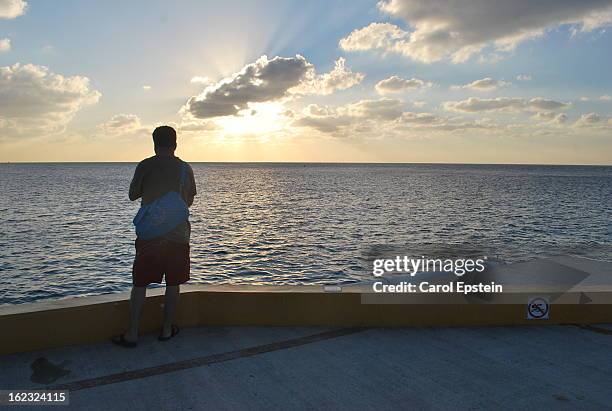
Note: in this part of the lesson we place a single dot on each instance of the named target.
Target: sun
(257, 119)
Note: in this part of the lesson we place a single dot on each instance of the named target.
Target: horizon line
(318, 162)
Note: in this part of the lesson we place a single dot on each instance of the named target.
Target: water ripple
(66, 228)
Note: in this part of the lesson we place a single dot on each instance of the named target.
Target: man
(155, 180)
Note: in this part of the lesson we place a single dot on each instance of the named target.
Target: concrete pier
(309, 347)
(280, 368)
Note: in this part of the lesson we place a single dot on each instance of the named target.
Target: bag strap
(183, 177)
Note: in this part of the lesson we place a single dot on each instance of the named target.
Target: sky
(441, 81)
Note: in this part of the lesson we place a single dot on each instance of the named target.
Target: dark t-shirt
(156, 176)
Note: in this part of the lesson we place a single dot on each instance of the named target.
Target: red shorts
(157, 257)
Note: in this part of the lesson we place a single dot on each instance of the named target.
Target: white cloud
(459, 30)
(560, 118)
(524, 77)
(263, 80)
(584, 98)
(9, 9)
(122, 124)
(383, 36)
(268, 80)
(382, 109)
(330, 119)
(539, 103)
(35, 101)
(605, 97)
(375, 116)
(200, 80)
(475, 104)
(485, 84)
(420, 118)
(323, 119)
(550, 117)
(588, 119)
(5, 45)
(198, 126)
(146, 88)
(395, 84)
(339, 78)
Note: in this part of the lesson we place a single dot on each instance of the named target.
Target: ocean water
(67, 228)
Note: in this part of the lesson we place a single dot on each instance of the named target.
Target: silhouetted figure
(166, 185)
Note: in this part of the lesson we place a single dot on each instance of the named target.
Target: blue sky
(561, 48)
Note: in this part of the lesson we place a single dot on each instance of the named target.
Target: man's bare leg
(170, 303)
(137, 300)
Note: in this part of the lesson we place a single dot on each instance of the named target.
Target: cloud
(340, 78)
(5, 45)
(605, 97)
(443, 29)
(382, 109)
(146, 87)
(485, 84)
(524, 77)
(395, 84)
(122, 124)
(376, 116)
(475, 104)
(9, 9)
(200, 80)
(326, 124)
(126, 125)
(35, 101)
(329, 119)
(268, 80)
(383, 36)
(550, 117)
(198, 126)
(539, 103)
(588, 120)
(420, 118)
(263, 80)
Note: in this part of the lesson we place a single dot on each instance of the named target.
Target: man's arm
(136, 184)
(190, 191)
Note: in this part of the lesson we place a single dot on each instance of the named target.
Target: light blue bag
(163, 214)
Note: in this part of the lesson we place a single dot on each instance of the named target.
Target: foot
(168, 332)
(123, 341)
(131, 336)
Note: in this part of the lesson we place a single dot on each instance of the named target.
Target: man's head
(164, 139)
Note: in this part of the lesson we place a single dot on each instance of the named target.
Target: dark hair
(164, 136)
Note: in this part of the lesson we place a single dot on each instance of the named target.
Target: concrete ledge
(90, 319)
(580, 291)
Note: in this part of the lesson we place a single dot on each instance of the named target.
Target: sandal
(121, 341)
(175, 330)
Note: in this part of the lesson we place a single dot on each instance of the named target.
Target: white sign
(538, 308)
